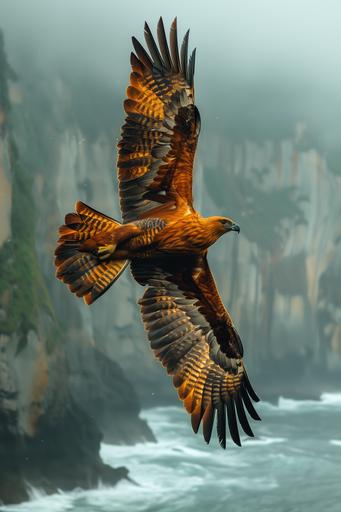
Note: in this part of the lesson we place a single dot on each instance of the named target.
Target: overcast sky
(257, 35)
(252, 45)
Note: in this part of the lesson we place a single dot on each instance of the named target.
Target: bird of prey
(165, 241)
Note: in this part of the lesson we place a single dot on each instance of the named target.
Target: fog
(267, 84)
(257, 62)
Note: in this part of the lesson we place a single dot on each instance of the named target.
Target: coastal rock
(101, 388)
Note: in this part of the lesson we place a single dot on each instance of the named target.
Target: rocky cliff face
(278, 278)
(281, 190)
(73, 158)
(278, 281)
(59, 394)
(46, 439)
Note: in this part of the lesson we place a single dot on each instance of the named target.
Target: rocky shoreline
(62, 455)
(52, 442)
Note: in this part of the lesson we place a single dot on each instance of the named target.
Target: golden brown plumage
(166, 241)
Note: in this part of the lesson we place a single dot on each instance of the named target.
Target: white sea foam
(327, 400)
(181, 472)
(251, 484)
(335, 442)
(331, 398)
(262, 440)
(41, 502)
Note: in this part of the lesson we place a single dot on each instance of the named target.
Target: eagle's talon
(105, 251)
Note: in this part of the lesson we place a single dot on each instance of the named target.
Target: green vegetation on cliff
(23, 293)
(22, 289)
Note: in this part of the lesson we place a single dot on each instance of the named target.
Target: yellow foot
(105, 251)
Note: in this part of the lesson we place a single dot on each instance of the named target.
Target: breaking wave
(180, 472)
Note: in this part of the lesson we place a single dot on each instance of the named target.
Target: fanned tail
(78, 262)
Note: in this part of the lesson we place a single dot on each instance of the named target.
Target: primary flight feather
(165, 240)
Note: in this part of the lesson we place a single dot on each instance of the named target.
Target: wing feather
(174, 46)
(192, 335)
(191, 67)
(142, 54)
(154, 51)
(184, 54)
(159, 136)
(161, 34)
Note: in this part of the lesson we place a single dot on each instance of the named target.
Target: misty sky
(259, 36)
(248, 50)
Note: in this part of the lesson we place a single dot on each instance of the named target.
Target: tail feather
(76, 257)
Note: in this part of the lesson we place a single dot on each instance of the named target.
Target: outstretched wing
(159, 137)
(192, 335)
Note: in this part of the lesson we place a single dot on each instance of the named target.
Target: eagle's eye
(223, 221)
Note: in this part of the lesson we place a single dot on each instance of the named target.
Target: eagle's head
(224, 225)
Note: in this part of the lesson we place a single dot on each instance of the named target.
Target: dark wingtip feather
(242, 416)
(161, 35)
(173, 38)
(250, 389)
(221, 426)
(196, 419)
(184, 54)
(248, 404)
(232, 421)
(141, 53)
(191, 67)
(208, 420)
(154, 51)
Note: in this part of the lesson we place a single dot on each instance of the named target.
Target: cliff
(59, 395)
(277, 180)
(281, 278)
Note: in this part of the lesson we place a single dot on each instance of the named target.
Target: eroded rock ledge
(50, 442)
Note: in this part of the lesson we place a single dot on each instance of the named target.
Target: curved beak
(235, 227)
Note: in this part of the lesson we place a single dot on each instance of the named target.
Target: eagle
(165, 241)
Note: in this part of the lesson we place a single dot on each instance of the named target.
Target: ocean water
(293, 465)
